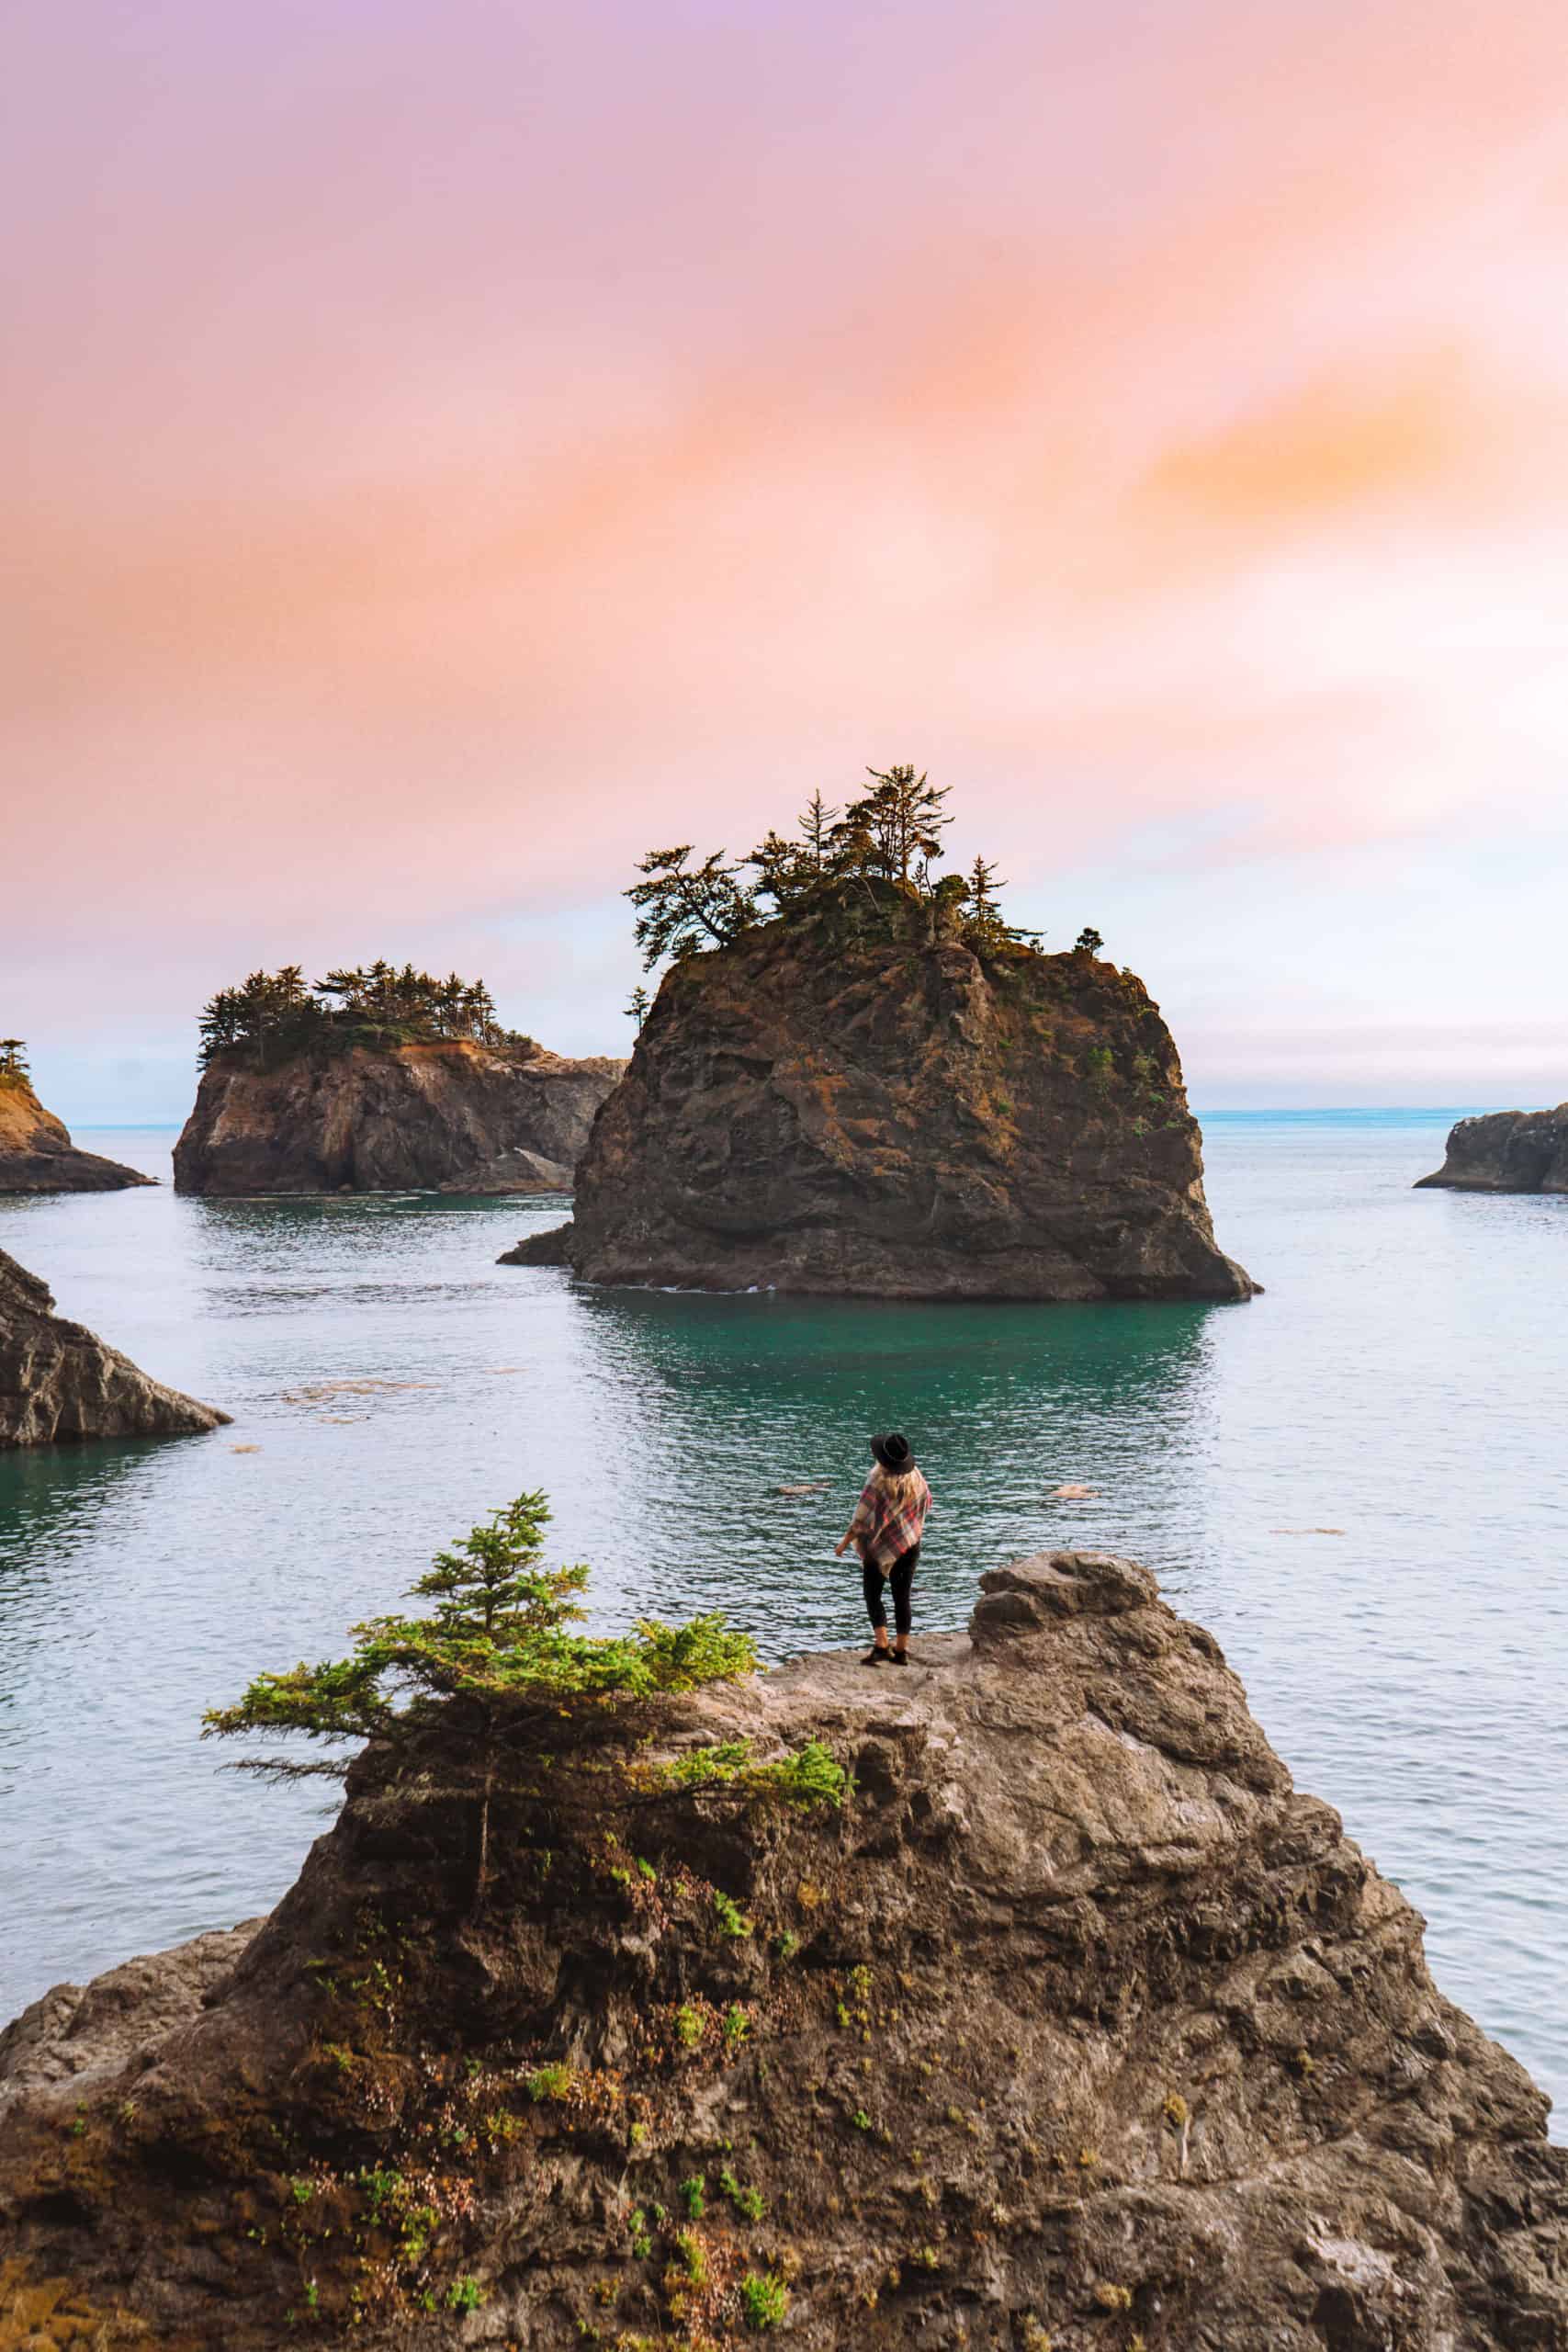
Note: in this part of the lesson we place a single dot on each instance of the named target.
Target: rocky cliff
(37, 1154)
(1507, 1151)
(447, 1117)
(58, 1382)
(812, 1111)
(1073, 2024)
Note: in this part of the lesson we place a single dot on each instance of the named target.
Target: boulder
(59, 1381)
(1073, 2023)
(1506, 1151)
(450, 1115)
(37, 1154)
(814, 1110)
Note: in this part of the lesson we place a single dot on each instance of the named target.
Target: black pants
(900, 1575)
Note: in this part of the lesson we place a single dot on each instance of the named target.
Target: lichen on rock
(1073, 2023)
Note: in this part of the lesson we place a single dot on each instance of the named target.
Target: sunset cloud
(456, 447)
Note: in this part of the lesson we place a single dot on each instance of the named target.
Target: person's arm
(859, 1525)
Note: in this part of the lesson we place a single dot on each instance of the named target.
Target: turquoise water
(1358, 1481)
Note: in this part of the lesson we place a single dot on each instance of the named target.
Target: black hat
(893, 1452)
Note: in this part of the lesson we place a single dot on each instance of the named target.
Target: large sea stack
(820, 1108)
(1071, 2024)
(1506, 1151)
(59, 1381)
(447, 1115)
(37, 1154)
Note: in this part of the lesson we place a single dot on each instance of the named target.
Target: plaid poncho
(883, 1532)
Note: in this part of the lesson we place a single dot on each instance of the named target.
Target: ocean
(1358, 1482)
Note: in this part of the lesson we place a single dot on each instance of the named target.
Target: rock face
(58, 1382)
(867, 1116)
(1508, 1151)
(1074, 2025)
(449, 1116)
(37, 1154)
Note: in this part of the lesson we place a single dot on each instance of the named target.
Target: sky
(454, 448)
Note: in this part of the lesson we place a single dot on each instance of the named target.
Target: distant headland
(1506, 1151)
(37, 1154)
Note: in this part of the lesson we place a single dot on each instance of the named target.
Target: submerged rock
(1075, 2024)
(814, 1110)
(1506, 1151)
(448, 1115)
(59, 1381)
(37, 1154)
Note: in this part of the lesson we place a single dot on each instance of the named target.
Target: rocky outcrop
(1506, 1151)
(37, 1154)
(58, 1383)
(806, 1110)
(447, 1117)
(1074, 2024)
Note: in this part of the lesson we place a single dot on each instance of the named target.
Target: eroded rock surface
(37, 1154)
(1077, 2024)
(1506, 1151)
(448, 1116)
(59, 1381)
(822, 1111)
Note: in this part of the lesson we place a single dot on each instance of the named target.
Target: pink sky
(451, 449)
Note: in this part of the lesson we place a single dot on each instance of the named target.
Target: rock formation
(812, 1110)
(37, 1154)
(450, 1115)
(1507, 1151)
(1072, 2025)
(58, 1382)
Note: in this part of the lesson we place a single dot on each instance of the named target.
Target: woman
(885, 1530)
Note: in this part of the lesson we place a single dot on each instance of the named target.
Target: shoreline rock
(37, 1154)
(60, 1384)
(448, 1115)
(1077, 2023)
(819, 1111)
(1505, 1152)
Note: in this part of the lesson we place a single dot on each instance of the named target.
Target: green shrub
(764, 2300)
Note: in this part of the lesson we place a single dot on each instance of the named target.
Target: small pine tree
(1089, 942)
(637, 1006)
(816, 822)
(681, 911)
(500, 1631)
(14, 1061)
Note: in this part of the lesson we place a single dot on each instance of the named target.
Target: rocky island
(37, 1154)
(1024, 2002)
(59, 1381)
(378, 1081)
(1506, 1151)
(886, 1090)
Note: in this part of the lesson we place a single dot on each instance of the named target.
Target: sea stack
(37, 1154)
(1506, 1151)
(442, 1114)
(60, 1383)
(895, 1111)
(1068, 2021)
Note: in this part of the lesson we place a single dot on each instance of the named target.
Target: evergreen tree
(14, 1059)
(501, 1629)
(902, 818)
(637, 1006)
(816, 822)
(680, 912)
(1088, 942)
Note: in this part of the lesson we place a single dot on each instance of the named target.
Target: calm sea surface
(1359, 1481)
